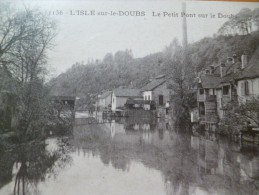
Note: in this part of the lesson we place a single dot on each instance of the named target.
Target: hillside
(124, 70)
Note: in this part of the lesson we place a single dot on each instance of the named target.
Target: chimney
(243, 61)
(185, 38)
(222, 70)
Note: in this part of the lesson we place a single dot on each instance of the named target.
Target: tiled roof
(252, 69)
(210, 81)
(153, 84)
(124, 92)
(105, 94)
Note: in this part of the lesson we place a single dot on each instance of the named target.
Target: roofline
(127, 96)
(155, 86)
(243, 78)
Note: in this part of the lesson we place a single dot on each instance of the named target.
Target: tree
(182, 75)
(25, 38)
(242, 23)
(108, 59)
(238, 115)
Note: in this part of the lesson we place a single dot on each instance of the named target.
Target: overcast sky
(84, 37)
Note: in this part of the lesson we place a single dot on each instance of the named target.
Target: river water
(130, 156)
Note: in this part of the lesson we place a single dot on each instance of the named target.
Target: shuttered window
(246, 88)
(242, 89)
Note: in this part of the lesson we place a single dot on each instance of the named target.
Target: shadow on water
(26, 165)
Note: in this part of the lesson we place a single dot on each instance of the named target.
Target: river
(130, 156)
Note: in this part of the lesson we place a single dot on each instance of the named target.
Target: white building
(121, 95)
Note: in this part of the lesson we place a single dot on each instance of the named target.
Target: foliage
(25, 37)
(242, 23)
(87, 80)
(182, 75)
(238, 116)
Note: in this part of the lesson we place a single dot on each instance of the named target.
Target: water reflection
(27, 165)
(189, 164)
(131, 156)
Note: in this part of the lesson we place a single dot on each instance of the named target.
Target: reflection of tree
(180, 161)
(33, 163)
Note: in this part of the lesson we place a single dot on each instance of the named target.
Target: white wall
(147, 95)
(219, 96)
(253, 86)
(118, 102)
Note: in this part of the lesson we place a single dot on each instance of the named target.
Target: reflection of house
(117, 128)
(104, 100)
(121, 95)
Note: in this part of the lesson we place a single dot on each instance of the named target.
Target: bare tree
(25, 38)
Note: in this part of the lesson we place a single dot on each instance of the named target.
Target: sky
(82, 37)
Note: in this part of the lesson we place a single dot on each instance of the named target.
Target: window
(148, 97)
(145, 97)
(201, 91)
(202, 108)
(161, 100)
(242, 89)
(226, 90)
(246, 88)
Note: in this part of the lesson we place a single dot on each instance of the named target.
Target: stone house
(206, 97)
(157, 90)
(247, 81)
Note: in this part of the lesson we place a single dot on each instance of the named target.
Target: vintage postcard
(127, 97)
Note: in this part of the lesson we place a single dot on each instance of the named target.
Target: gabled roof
(124, 92)
(209, 81)
(105, 94)
(154, 84)
(252, 69)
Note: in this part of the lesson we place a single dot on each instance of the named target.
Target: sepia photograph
(129, 97)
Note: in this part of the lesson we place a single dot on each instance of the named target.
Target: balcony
(211, 98)
(206, 98)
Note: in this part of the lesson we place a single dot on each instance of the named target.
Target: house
(157, 90)
(247, 80)
(206, 96)
(104, 100)
(216, 89)
(120, 96)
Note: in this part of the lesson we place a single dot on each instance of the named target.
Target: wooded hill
(122, 69)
